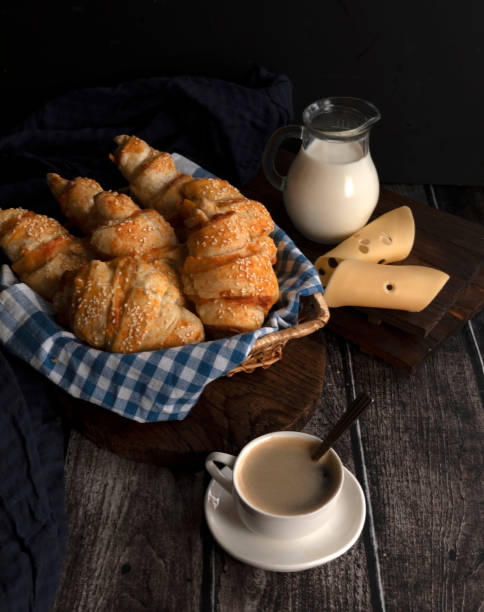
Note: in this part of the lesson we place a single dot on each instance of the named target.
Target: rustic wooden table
(138, 539)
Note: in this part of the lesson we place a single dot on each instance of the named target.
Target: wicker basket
(313, 315)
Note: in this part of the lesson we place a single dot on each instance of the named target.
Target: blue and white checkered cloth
(153, 385)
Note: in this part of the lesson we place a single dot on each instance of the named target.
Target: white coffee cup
(279, 526)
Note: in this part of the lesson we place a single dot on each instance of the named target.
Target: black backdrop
(419, 62)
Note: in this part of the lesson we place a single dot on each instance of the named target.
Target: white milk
(331, 190)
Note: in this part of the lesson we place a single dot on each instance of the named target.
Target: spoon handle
(352, 413)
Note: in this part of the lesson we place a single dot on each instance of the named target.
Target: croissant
(117, 225)
(154, 179)
(152, 175)
(40, 249)
(125, 305)
(228, 273)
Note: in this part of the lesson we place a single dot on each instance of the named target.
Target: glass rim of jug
(340, 117)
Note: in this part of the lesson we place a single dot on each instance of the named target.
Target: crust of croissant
(212, 188)
(169, 261)
(42, 268)
(232, 297)
(147, 169)
(251, 214)
(264, 247)
(126, 305)
(175, 255)
(45, 280)
(111, 207)
(40, 249)
(128, 153)
(26, 230)
(166, 201)
(138, 314)
(9, 217)
(141, 232)
(92, 301)
(36, 258)
(223, 317)
(152, 176)
(255, 216)
(76, 198)
(197, 265)
(228, 234)
(239, 277)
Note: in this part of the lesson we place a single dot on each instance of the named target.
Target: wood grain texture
(230, 412)
(134, 535)
(424, 455)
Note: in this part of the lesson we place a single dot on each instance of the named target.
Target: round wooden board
(230, 412)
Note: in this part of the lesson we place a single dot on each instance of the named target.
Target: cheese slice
(386, 239)
(359, 283)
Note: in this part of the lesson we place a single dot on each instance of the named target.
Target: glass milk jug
(332, 186)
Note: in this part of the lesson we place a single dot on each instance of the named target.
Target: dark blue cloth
(220, 125)
(33, 524)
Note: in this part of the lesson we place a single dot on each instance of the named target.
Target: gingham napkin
(153, 385)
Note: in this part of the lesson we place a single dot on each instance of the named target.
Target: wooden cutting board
(230, 412)
(442, 241)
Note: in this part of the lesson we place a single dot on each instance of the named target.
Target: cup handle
(270, 152)
(229, 460)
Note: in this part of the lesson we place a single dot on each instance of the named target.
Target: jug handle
(270, 152)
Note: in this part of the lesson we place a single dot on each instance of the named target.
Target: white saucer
(332, 540)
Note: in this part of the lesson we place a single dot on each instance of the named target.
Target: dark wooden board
(444, 241)
(396, 346)
(230, 412)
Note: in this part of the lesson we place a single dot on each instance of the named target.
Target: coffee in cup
(278, 489)
(279, 476)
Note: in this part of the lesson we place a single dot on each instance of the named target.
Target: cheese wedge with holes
(360, 283)
(388, 238)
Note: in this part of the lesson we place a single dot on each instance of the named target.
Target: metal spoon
(352, 413)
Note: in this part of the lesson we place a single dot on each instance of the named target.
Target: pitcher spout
(340, 118)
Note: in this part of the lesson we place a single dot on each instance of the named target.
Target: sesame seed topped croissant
(126, 305)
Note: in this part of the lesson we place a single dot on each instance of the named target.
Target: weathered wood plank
(469, 203)
(425, 456)
(340, 585)
(134, 535)
(477, 335)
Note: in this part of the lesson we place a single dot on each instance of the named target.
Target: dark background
(419, 62)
